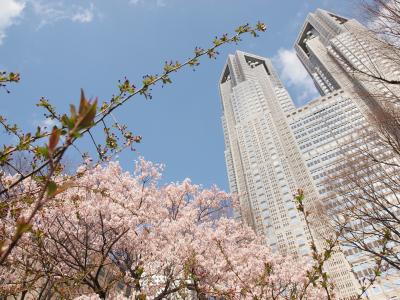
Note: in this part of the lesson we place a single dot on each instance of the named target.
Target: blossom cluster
(115, 235)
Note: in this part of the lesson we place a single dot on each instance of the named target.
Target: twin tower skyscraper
(272, 147)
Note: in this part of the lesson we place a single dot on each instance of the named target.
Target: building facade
(340, 54)
(266, 156)
(273, 148)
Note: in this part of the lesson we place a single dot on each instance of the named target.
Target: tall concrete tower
(258, 152)
(341, 53)
(272, 148)
(268, 142)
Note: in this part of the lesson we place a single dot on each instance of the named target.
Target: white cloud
(53, 11)
(294, 75)
(84, 15)
(10, 11)
(45, 125)
(157, 3)
(48, 11)
(48, 124)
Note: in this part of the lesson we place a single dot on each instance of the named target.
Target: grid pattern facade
(342, 57)
(341, 53)
(268, 142)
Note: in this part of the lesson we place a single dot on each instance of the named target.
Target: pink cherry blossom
(114, 235)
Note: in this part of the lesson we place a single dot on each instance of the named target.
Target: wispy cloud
(84, 15)
(48, 12)
(157, 3)
(47, 124)
(10, 11)
(44, 124)
(295, 76)
(54, 11)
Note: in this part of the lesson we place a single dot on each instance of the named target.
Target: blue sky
(60, 46)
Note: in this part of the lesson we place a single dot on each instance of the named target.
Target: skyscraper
(341, 54)
(254, 105)
(266, 164)
(272, 148)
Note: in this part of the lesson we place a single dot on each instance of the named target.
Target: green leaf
(141, 297)
(168, 67)
(254, 33)
(83, 104)
(51, 189)
(76, 135)
(194, 62)
(38, 132)
(236, 39)
(139, 271)
(72, 109)
(28, 199)
(224, 38)
(42, 151)
(23, 227)
(38, 233)
(148, 80)
(166, 79)
(88, 115)
(217, 41)
(137, 139)
(261, 26)
(67, 122)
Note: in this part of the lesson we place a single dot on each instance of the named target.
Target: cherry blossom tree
(110, 233)
(103, 233)
(45, 148)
